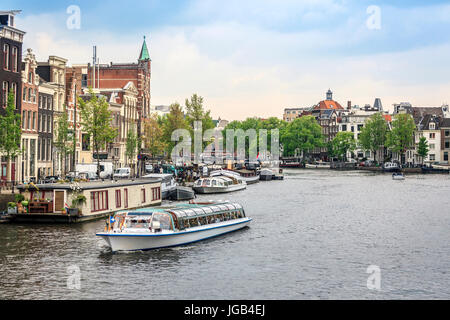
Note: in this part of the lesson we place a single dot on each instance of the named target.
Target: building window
(15, 59)
(118, 199)
(432, 135)
(432, 157)
(24, 117)
(5, 92)
(432, 146)
(143, 195)
(6, 56)
(432, 126)
(125, 196)
(445, 156)
(33, 124)
(344, 127)
(447, 144)
(447, 133)
(156, 194)
(99, 201)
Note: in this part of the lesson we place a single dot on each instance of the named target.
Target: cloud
(255, 58)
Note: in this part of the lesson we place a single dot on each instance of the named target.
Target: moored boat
(391, 167)
(318, 165)
(219, 184)
(182, 193)
(156, 228)
(168, 184)
(266, 175)
(250, 177)
(398, 176)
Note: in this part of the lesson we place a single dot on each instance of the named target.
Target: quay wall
(4, 199)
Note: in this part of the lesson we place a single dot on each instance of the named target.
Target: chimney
(349, 105)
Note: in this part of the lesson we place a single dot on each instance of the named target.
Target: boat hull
(182, 193)
(212, 190)
(143, 242)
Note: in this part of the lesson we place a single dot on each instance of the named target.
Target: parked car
(51, 179)
(122, 173)
(90, 176)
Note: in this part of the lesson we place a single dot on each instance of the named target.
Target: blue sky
(256, 57)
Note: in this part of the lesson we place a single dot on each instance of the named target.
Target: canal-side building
(45, 153)
(445, 140)
(124, 107)
(29, 116)
(11, 40)
(53, 71)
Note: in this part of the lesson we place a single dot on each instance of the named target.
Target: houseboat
(149, 229)
(219, 184)
(85, 201)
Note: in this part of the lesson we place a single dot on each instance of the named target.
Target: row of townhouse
(46, 90)
(433, 123)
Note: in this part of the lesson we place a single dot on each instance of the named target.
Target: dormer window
(432, 126)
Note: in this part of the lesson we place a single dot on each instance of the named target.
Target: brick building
(30, 92)
(11, 40)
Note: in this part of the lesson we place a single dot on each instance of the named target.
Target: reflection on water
(313, 237)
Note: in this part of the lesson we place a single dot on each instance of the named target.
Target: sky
(252, 58)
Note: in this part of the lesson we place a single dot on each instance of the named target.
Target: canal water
(315, 235)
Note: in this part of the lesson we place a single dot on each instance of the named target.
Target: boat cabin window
(138, 223)
(164, 220)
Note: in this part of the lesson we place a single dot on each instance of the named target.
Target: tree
(62, 140)
(401, 137)
(131, 145)
(303, 134)
(373, 134)
(173, 121)
(10, 133)
(422, 148)
(96, 121)
(343, 143)
(195, 112)
(154, 136)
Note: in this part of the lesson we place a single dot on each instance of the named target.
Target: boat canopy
(202, 211)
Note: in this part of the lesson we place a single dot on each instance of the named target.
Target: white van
(122, 173)
(106, 169)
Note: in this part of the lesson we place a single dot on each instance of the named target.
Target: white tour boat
(219, 184)
(249, 179)
(155, 228)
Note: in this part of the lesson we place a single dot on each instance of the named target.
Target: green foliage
(96, 121)
(374, 134)
(401, 137)
(62, 140)
(131, 145)
(173, 121)
(78, 201)
(343, 143)
(302, 135)
(19, 198)
(154, 136)
(422, 148)
(10, 130)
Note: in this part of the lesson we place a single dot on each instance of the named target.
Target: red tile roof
(328, 105)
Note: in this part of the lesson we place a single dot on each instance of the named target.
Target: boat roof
(189, 210)
(88, 185)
